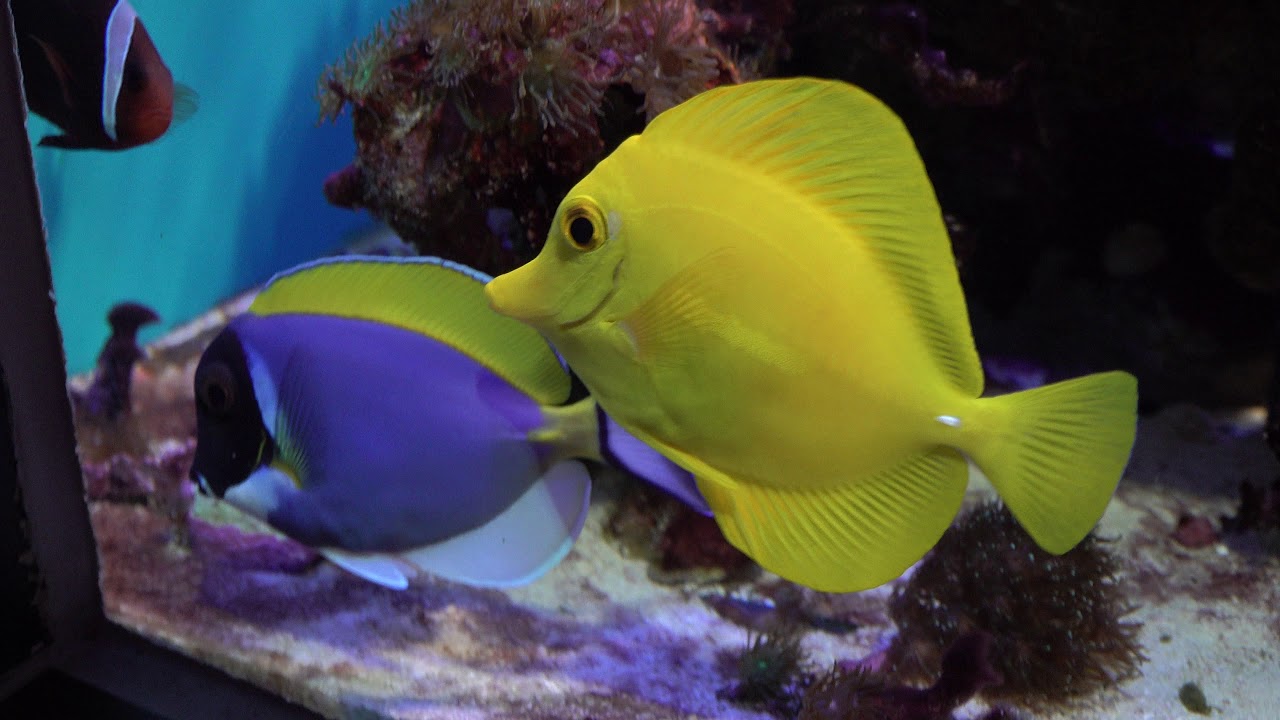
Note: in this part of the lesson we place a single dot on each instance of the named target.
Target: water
(1096, 222)
(223, 200)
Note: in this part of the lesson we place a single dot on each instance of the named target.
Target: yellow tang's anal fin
(851, 158)
(859, 535)
(1056, 453)
(438, 298)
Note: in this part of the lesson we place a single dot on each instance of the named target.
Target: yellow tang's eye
(583, 224)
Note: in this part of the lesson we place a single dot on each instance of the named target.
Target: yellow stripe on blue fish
(442, 305)
(761, 286)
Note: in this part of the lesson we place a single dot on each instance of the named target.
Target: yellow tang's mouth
(528, 295)
(594, 311)
(516, 294)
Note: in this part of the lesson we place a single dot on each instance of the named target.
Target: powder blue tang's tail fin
(583, 430)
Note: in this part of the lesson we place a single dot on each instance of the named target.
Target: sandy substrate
(597, 638)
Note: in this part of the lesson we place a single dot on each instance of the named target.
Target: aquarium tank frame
(59, 654)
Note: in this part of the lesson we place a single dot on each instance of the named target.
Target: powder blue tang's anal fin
(377, 569)
(631, 454)
(524, 541)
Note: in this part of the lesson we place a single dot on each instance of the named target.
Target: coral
(903, 33)
(680, 544)
(159, 480)
(1258, 515)
(691, 540)
(107, 398)
(1194, 531)
(103, 408)
(1057, 622)
(674, 61)
(462, 109)
(771, 671)
(859, 694)
(135, 426)
(639, 518)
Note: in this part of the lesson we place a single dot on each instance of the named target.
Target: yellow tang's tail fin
(1056, 453)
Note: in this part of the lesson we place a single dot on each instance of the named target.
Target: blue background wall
(224, 199)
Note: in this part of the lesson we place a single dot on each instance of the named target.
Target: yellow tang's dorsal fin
(850, 155)
(438, 298)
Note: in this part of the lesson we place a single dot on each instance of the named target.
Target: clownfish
(89, 67)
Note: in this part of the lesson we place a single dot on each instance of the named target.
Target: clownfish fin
(522, 542)
(60, 70)
(69, 142)
(186, 101)
(377, 569)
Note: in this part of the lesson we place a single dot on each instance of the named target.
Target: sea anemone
(771, 670)
(675, 61)
(558, 83)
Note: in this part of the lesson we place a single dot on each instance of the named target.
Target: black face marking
(582, 231)
(216, 388)
(231, 441)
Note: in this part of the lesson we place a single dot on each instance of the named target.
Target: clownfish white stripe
(120, 27)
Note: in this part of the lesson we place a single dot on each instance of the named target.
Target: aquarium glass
(916, 360)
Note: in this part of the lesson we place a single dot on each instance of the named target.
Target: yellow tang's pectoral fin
(857, 536)
(685, 319)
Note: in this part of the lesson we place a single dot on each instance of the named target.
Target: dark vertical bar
(23, 631)
(34, 367)
(58, 655)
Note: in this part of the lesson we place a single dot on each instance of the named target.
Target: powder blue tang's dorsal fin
(437, 298)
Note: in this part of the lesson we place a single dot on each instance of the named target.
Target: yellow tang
(760, 286)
